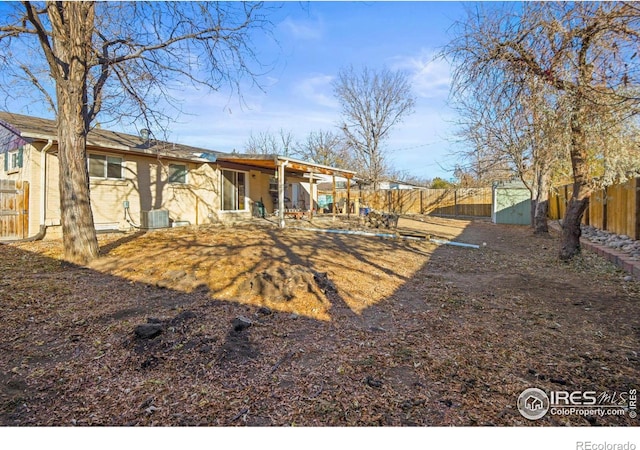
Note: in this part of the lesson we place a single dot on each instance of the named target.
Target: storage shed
(511, 203)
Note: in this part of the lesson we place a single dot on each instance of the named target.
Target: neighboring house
(136, 182)
(391, 185)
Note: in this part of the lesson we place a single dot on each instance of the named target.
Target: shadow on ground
(451, 336)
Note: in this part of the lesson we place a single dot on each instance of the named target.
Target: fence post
(455, 202)
(637, 211)
(604, 209)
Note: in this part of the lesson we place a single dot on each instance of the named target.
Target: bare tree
(373, 102)
(267, 143)
(326, 148)
(514, 124)
(583, 54)
(86, 57)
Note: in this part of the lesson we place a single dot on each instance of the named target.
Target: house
(140, 182)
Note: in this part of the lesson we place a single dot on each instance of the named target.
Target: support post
(348, 198)
(333, 202)
(311, 195)
(281, 193)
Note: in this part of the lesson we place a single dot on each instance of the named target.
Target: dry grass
(413, 334)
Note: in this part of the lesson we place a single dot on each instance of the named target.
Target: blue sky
(313, 41)
(316, 39)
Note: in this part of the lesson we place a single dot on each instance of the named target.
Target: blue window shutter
(6, 161)
(20, 153)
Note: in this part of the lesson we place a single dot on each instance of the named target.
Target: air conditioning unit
(156, 218)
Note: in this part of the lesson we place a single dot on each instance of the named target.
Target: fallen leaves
(397, 333)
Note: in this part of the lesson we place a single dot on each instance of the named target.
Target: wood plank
(637, 208)
(25, 209)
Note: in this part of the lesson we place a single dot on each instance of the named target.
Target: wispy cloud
(218, 121)
(317, 88)
(430, 77)
(303, 29)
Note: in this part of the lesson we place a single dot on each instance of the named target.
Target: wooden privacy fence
(446, 202)
(615, 209)
(14, 209)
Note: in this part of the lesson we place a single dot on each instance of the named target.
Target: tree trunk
(539, 189)
(73, 30)
(570, 245)
(534, 204)
(541, 211)
(540, 224)
(571, 230)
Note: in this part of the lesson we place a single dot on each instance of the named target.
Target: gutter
(43, 184)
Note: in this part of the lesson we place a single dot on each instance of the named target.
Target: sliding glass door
(233, 190)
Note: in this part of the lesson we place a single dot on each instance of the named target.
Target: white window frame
(105, 173)
(14, 160)
(186, 174)
(246, 190)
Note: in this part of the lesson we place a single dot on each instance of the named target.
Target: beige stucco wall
(144, 185)
(29, 172)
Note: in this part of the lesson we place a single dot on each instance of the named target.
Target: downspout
(43, 197)
(43, 184)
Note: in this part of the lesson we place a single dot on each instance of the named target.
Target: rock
(447, 402)
(148, 402)
(284, 283)
(381, 220)
(263, 311)
(628, 278)
(323, 282)
(241, 323)
(148, 330)
(373, 382)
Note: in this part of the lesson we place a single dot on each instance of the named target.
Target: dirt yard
(258, 326)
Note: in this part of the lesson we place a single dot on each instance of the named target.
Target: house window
(13, 160)
(101, 166)
(178, 173)
(233, 190)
